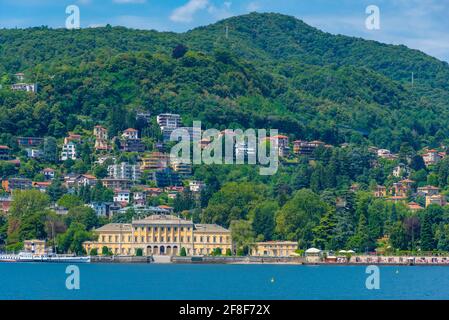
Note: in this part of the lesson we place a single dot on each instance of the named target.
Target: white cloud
(128, 1)
(222, 12)
(186, 12)
(253, 6)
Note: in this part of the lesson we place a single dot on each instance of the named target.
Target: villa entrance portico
(161, 250)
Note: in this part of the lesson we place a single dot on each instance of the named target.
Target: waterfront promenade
(353, 260)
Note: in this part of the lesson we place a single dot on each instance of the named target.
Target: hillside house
(428, 191)
(4, 152)
(439, 200)
(154, 161)
(27, 87)
(432, 157)
(12, 184)
(101, 138)
(29, 142)
(380, 192)
(48, 173)
(68, 151)
(130, 134)
(305, 148)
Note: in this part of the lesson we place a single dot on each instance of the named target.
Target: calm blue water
(149, 281)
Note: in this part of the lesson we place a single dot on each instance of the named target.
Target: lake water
(151, 281)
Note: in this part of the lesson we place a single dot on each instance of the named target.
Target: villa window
(168, 239)
(188, 239)
(215, 239)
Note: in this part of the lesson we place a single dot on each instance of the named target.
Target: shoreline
(259, 261)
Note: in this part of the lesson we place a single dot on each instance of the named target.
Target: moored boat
(31, 257)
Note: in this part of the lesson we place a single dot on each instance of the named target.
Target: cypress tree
(427, 240)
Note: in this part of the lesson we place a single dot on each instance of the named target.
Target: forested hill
(270, 70)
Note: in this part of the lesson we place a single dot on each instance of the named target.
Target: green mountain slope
(271, 71)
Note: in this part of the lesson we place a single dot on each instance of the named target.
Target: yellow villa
(35, 246)
(274, 248)
(161, 235)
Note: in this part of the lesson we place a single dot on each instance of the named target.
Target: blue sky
(418, 24)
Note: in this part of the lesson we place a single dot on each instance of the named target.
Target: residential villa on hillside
(101, 138)
(28, 87)
(4, 153)
(305, 148)
(432, 157)
(400, 191)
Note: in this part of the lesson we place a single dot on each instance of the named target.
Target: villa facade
(161, 235)
(274, 248)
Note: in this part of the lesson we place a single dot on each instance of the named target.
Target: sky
(418, 24)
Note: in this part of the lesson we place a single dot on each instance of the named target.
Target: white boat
(32, 257)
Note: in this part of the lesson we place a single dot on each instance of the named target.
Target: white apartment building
(68, 151)
(122, 196)
(124, 170)
(196, 186)
(169, 120)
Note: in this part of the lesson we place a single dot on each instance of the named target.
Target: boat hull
(12, 258)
